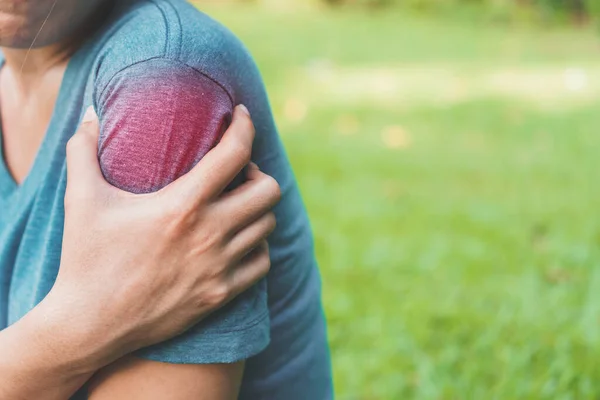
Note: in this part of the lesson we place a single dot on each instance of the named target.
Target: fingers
(250, 237)
(220, 166)
(245, 204)
(252, 172)
(252, 269)
(83, 167)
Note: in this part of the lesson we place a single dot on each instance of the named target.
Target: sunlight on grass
(415, 85)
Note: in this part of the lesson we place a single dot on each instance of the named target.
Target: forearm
(39, 361)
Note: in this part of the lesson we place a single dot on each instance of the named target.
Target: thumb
(83, 167)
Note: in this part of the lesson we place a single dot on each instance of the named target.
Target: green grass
(462, 260)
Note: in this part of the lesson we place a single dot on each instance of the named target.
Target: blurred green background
(448, 157)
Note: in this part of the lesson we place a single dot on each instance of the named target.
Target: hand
(139, 269)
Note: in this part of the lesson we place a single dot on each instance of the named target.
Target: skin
(181, 226)
(115, 308)
(21, 21)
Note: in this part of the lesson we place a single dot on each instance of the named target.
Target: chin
(13, 30)
(21, 22)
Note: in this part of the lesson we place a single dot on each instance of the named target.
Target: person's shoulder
(172, 30)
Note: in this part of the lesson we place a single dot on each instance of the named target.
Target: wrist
(41, 360)
(56, 343)
(68, 340)
(91, 334)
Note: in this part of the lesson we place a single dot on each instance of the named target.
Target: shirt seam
(168, 30)
(168, 59)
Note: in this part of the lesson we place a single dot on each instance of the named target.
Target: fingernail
(244, 109)
(254, 166)
(90, 115)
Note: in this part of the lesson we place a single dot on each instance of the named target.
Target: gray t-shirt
(164, 79)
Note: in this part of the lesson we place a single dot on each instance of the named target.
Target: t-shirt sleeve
(158, 119)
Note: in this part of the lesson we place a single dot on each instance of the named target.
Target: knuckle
(74, 144)
(217, 296)
(245, 124)
(177, 211)
(208, 237)
(242, 152)
(249, 126)
(272, 188)
(172, 221)
(265, 262)
(265, 247)
(170, 214)
(207, 240)
(271, 222)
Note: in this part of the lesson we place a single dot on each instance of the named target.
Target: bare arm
(137, 379)
(39, 361)
(141, 155)
(113, 295)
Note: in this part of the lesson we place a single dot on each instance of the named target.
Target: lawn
(451, 172)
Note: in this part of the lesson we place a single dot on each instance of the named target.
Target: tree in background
(579, 11)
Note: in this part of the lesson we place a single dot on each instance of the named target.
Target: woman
(164, 80)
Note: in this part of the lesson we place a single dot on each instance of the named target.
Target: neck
(28, 67)
(34, 61)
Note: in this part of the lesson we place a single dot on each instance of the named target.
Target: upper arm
(136, 379)
(158, 119)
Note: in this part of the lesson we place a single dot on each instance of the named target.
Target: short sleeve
(158, 119)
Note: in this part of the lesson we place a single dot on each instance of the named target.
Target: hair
(35, 38)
